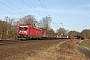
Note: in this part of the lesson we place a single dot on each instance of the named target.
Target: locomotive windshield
(23, 27)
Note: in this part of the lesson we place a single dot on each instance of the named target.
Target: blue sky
(74, 14)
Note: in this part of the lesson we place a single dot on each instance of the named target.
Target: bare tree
(62, 32)
(73, 33)
(10, 30)
(3, 29)
(29, 19)
(45, 23)
(85, 33)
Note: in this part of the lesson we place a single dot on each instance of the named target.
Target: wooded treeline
(9, 26)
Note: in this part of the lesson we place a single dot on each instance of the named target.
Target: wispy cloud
(87, 5)
(72, 11)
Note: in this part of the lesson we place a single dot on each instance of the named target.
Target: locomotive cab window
(23, 27)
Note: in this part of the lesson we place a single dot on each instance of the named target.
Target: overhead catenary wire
(34, 6)
(7, 11)
(56, 24)
(31, 7)
(15, 6)
(43, 6)
(10, 7)
(20, 9)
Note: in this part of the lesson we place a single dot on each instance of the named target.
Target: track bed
(7, 50)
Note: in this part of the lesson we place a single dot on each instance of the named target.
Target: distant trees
(2, 29)
(29, 19)
(45, 23)
(8, 27)
(73, 33)
(62, 31)
(85, 33)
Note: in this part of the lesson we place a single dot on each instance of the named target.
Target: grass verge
(28, 53)
(85, 46)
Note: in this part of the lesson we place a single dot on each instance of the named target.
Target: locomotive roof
(29, 25)
(25, 24)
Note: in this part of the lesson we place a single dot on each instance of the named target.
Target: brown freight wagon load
(47, 33)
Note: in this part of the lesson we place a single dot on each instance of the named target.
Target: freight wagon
(26, 31)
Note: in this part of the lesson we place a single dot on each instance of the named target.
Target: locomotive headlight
(25, 32)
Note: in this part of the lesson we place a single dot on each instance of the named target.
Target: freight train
(26, 31)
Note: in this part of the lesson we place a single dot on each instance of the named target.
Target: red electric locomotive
(26, 31)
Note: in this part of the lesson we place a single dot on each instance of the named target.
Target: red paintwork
(31, 31)
(35, 31)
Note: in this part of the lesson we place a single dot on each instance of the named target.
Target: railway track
(4, 42)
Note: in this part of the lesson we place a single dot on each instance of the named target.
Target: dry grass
(61, 51)
(86, 44)
(19, 49)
